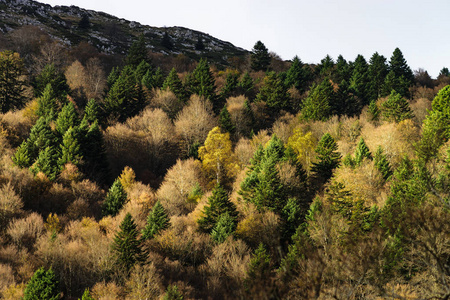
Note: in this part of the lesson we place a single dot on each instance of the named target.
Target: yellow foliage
(127, 178)
(218, 159)
(303, 145)
(52, 223)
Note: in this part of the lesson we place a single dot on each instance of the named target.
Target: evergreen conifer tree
(274, 93)
(247, 86)
(12, 71)
(396, 108)
(231, 84)
(328, 159)
(343, 70)
(22, 157)
(359, 82)
(127, 246)
(41, 137)
(298, 75)
(68, 117)
(326, 67)
(378, 71)
(224, 227)
(94, 153)
(47, 163)
(157, 221)
(225, 123)
(174, 83)
(115, 199)
(259, 267)
(143, 68)
(91, 111)
(201, 81)
(70, 149)
(137, 52)
(47, 104)
(87, 295)
(382, 164)
(361, 152)
(260, 57)
(218, 204)
(317, 106)
(113, 76)
(42, 285)
(49, 75)
(374, 111)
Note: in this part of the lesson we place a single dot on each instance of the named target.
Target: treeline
(269, 180)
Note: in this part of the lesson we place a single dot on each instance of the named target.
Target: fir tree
(317, 106)
(201, 81)
(49, 75)
(382, 164)
(143, 68)
(247, 86)
(396, 108)
(292, 217)
(42, 285)
(174, 84)
(137, 52)
(359, 82)
(68, 117)
(374, 111)
(298, 75)
(224, 227)
(378, 71)
(94, 152)
(47, 163)
(260, 57)
(362, 152)
(343, 70)
(12, 71)
(274, 93)
(41, 137)
(328, 159)
(91, 111)
(87, 295)
(225, 123)
(127, 246)
(115, 199)
(113, 76)
(326, 67)
(157, 221)
(47, 103)
(231, 84)
(259, 268)
(218, 204)
(22, 156)
(70, 149)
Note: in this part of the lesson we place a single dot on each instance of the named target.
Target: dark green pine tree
(125, 98)
(174, 84)
(166, 41)
(362, 152)
(218, 204)
(259, 269)
(400, 76)
(274, 93)
(230, 87)
(22, 156)
(201, 81)
(396, 108)
(42, 285)
(224, 227)
(247, 86)
(292, 217)
(94, 153)
(374, 111)
(68, 117)
(115, 199)
(70, 149)
(359, 82)
(260, 57)
(137, 52)
(113, 76)
(345, 101)
(382, 164)
(317, 106)
(143, 68)
(225, 123)
(444, 72)
(49, 75)
(47, 103)
(298, 75)
(91, 111)
(126, 245)
(157, 221)
(41, 137)
(47, 163)
(157, 78)
(328, 159)
(378, 70)
(326, 67)
(12, 82)
(343, 70)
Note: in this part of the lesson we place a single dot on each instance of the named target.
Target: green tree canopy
(42, 285)
(157, 221)
(396, 108)
(115, 199)
(317, 106)
(260, 57)
(12, 81)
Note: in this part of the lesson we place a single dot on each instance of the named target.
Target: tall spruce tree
(126, 245)
(47, 103)
(230, 86)
(343, 70)
(47, 163)
(382, 164)
(378, 70)
(12, 83)
(70, 149)
(218, 204)
(359, 82)
(137, 52)
(362, 152)
(68, 117)
(42, 285)
(115, 199)
(225, 123)
(174, 84)
(247, 86)
(326, 67)
(41, 137)
(50, 75)
(400, 76)
(298, 75)
(396, 108)
(91, 111)
(317, 106)
(22, 156)
(274, 93)
(224, 227)
(201, 81)
(328, 159)
(157, 221)
(260, 57)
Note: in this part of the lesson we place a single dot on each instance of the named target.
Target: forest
(151, 176)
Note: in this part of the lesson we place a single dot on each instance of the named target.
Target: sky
(310, 29)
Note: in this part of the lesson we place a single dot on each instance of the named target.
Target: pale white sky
(310, 29)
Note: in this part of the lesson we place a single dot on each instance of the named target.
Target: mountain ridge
(110, 34)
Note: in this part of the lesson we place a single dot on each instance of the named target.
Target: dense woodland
(159, 177)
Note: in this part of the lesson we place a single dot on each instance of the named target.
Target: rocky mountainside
(110, 34)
